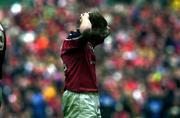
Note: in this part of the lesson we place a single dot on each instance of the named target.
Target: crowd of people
(138, 66)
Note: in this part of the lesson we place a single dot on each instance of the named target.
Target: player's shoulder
(74, 35)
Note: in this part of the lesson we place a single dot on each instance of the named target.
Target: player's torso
(79, 67)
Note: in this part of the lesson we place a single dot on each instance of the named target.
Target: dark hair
(97, 20)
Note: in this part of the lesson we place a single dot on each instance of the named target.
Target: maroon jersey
(79, 61)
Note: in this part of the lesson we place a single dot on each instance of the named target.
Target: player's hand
(84, 16)
(85, 22)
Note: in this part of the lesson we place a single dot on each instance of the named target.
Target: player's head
(97, 24)
(97, 20)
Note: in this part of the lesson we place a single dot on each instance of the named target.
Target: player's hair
(99, 28)
(97, 20)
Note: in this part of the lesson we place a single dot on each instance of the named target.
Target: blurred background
(138, 66)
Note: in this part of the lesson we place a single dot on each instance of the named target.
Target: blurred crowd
(138, 66)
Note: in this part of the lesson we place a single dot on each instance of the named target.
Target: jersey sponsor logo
(2, 38)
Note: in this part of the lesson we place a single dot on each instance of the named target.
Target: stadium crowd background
(138, 66)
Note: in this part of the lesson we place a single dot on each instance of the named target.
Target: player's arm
(101, 33)
(2, 47)
(97, 36)
(2, 55)
(2, 40)
(76, 39)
